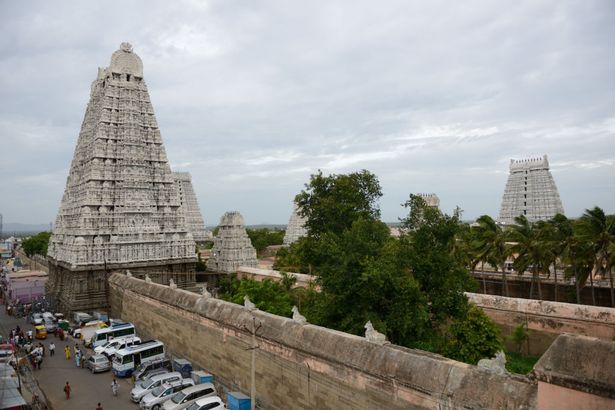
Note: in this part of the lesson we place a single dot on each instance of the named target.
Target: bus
(102, 336)
(126, 360)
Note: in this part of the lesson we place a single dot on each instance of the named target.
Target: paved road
(87, 389)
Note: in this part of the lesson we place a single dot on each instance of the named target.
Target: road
(87, 389)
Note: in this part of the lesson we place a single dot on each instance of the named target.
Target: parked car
(156, 397)
(149, 369)
(7, 353)
(189, 395)
(208, 403)
(144, 386)
(112, 346)
(98, 363)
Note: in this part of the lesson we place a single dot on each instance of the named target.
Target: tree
(264, 237)
(491, 246)
(267, 295)
(599, 229)
(37, 244)
(332, 203)
(561, 231)
(519, 336)
(530, 248)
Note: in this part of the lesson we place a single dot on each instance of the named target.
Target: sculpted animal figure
(148, 279)
(128, 273)
(204, 292)
(298, 317)
(172, 284)
(496, 365)
(249, 305)
(373, 335)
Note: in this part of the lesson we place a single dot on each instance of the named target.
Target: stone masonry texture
(190, 205)
(232, 246)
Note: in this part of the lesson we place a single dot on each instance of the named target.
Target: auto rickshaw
(40, 332)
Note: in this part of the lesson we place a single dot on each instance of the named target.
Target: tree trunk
(539, 287)
(576, 284)
(555, 277)
(611, 283)
(504, 283)
(532, 287)
(591, 284)
(482, 269)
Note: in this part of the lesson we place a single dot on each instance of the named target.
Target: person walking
(67, 390)
(52, 349)
(67, 352)
(114, 387)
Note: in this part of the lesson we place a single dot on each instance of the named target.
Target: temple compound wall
(305, 366)
(545, 320)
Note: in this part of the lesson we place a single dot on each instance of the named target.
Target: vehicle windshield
(146, 383)
(193, 406)
(178, 397)
(158, 390)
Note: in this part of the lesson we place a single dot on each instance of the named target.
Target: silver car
(98, 363)
(189, 395)
(156, 397)
(208, 403)
(143, 387)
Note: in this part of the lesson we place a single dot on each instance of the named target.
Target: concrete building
(530, 191)
(121, 207)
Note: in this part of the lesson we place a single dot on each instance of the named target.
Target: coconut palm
(491, 244)
(599, 229)
(579, 258)
(560, 232)
(529, 245)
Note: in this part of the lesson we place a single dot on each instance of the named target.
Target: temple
(232, 246)
(295, 228)
(190, 205)
(431, 200)
(530, 191)
(121, 207)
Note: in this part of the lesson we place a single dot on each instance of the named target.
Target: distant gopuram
(431, 200)
(232, 246)
(530, 191)
(190, 205)
(295, 228)
(121, 207)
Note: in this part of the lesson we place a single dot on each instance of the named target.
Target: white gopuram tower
(530, 191)
(295, 228)
(121, 207)
(232, 246)
(431, 200)
(190, 205)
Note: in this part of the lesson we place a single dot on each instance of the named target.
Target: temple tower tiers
(295, 228)
(431, 200)
(121, 208)
(232, 246)
(190, 205)
(530, 191)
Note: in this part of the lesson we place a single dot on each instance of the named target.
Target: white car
(208, 403)
(143, 387)
(156, 397)
(189, 395)
(112, 346)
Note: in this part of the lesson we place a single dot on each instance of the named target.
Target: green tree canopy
(37, 244)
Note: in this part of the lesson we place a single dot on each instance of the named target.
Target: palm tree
(561, 231)
(492, 244)
(579, 257)
(599, 229)
(530, 248)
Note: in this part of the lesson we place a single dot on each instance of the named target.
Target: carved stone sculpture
(121, 207)
(128, 273)
(248, 304)
(148, 279)
(190, 206)
(204, 292)
(232, 247)
(172, 284)
(295, 228)
(373, 335)
(298, 317)
(530, 191)
(496, 365)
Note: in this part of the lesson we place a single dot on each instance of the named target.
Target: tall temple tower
(530, 191)
(121, 207)
(190, 205)
(431, 200)
(232, 246)
(295, 228)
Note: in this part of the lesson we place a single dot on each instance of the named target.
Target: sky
(252, 97)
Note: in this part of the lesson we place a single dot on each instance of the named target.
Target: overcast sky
(252, 97)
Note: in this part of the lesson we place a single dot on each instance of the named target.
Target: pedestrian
(67, 390)
(52, 349)
(99, 407)
(39, 361)
(114, 387)
(77, 357)
(75, 349)
(67, 352)
(83, 360)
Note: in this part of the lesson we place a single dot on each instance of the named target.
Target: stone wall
(307, 366)
(546, 320)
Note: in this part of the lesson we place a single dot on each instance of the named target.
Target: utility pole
(253, 367)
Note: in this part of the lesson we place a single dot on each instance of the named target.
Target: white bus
(103, 335)
(127, 359)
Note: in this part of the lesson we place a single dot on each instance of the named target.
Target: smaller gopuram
(295, 228)
(190, 206)
(232, 246)
(431, 200)
(530, 191)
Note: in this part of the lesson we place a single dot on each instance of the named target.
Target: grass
(519, 363)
